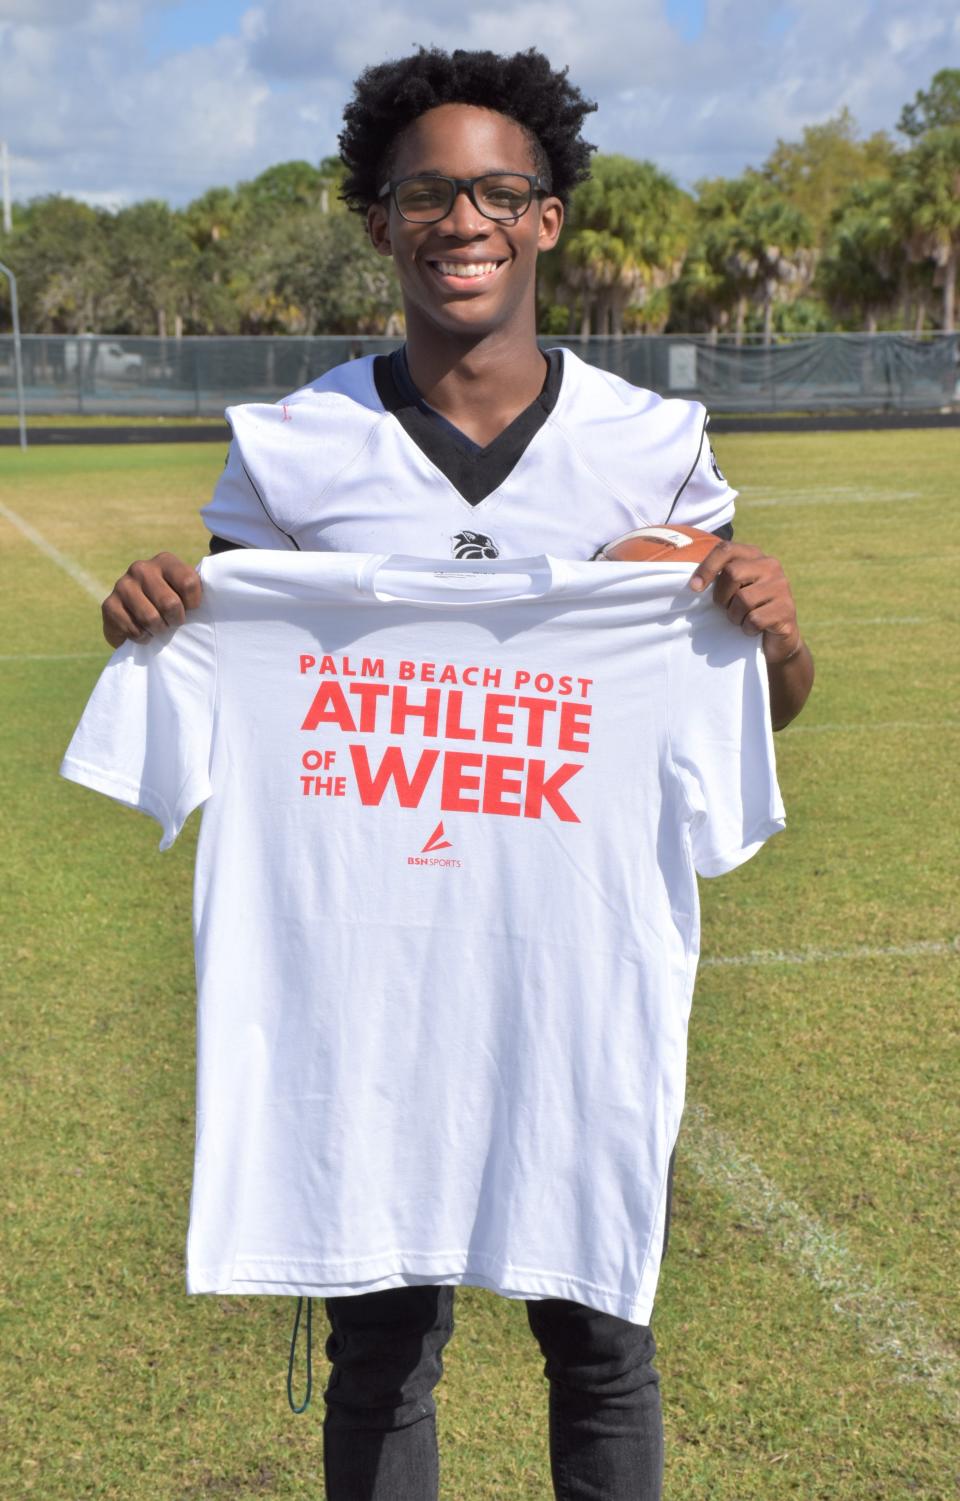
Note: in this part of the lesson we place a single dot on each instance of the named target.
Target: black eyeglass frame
(465, 185)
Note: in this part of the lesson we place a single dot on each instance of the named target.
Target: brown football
(660, 544)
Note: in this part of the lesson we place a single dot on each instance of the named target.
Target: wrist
(779, 650)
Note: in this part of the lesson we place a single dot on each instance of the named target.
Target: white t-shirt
(329, 469)
(446, 912)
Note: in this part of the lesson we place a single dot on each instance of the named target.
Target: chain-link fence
(198, 377)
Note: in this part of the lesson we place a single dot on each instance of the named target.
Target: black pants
(380, 1436)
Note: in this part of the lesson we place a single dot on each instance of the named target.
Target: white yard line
(931, 949)
(80, 576)
(866, 499)
(854, 625)
(61, 656)
(871, 726)
(889, 1324)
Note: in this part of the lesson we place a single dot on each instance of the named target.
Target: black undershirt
(474, 471)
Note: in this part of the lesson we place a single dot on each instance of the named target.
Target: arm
(152, 595)
(754, 591)
(155, 593)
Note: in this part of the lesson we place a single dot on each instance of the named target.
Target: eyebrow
(487, 172)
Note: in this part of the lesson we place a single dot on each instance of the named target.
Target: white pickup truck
(101, 359)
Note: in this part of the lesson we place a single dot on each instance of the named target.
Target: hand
(150, 597)
(753, 590)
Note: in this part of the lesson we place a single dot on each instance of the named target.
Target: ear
(551, 223)
(378, 228)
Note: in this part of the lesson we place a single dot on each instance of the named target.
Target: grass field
(807, 1320)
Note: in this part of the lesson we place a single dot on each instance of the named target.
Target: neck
(481, 382)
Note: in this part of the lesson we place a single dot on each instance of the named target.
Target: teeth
(470, 268)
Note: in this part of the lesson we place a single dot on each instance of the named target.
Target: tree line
(831, 232)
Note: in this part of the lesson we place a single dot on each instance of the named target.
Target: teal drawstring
(293, 1346)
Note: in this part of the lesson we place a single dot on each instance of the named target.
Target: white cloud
(625, 39)
(39, 13)
(87, 109)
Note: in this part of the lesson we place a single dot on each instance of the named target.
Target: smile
(466, 270)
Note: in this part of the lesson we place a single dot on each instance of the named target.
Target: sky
(118, 100)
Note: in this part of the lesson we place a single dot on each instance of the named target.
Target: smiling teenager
(470, 441)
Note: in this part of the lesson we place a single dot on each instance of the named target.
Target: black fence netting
(198, 377)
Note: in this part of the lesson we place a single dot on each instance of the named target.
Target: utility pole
(17, 361)
(5, 172)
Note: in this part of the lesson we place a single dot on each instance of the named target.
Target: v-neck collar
(475, 472)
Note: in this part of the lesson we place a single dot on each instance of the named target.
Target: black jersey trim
(272, 520)
(475, 475)
(693, 466)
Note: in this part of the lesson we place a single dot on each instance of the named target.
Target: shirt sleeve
(721, 740)
(146, 734)
(704, 499)
(237, 512)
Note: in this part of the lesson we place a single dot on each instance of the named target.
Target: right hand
(150, 597)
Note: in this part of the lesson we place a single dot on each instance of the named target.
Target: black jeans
(379, 1431)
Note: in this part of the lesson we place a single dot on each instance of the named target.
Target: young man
(470, 442)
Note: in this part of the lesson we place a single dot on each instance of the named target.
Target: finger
(139, 607)
(736, 610)
(773, 618)
(752, 595)
(118, 626)
(706, 572)
(170, 606)
(721, 558)
(151, 581)
(182, 579)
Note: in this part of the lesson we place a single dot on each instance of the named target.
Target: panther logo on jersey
(715, 466)
(474, 545)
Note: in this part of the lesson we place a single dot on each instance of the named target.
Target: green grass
(838, 1078)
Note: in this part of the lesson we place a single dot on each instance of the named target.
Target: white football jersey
(446, 912)
(343, 465)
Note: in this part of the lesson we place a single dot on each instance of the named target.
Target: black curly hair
(390, 96)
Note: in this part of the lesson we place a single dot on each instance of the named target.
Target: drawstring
(293, 1346)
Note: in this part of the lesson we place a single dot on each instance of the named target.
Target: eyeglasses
(497, 195)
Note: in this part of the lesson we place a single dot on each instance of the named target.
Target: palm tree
(753, 246)
(627, 235)
(720, 270)
(771, 247)
(927, 209)
(862, 268)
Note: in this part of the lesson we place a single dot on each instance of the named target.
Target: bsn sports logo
(428, 855)
(474, 545)
(437, 841)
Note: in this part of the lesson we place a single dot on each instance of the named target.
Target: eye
(504, 194)
(508, 195)
(423, 194)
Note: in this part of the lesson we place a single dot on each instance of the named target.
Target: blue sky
(115, 100)
(688, 16)
(174, 28)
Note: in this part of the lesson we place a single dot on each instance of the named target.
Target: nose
(464, 219)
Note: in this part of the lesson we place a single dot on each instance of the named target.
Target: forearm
(790, 682)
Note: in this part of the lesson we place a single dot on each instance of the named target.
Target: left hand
(753, 590)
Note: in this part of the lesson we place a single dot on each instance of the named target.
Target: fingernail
(696, 583)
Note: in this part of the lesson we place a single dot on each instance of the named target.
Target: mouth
(461, 274)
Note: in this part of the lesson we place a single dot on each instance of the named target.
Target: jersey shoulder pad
(292, 448)
(644, 446)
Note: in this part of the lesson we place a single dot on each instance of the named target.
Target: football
(659, 544)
